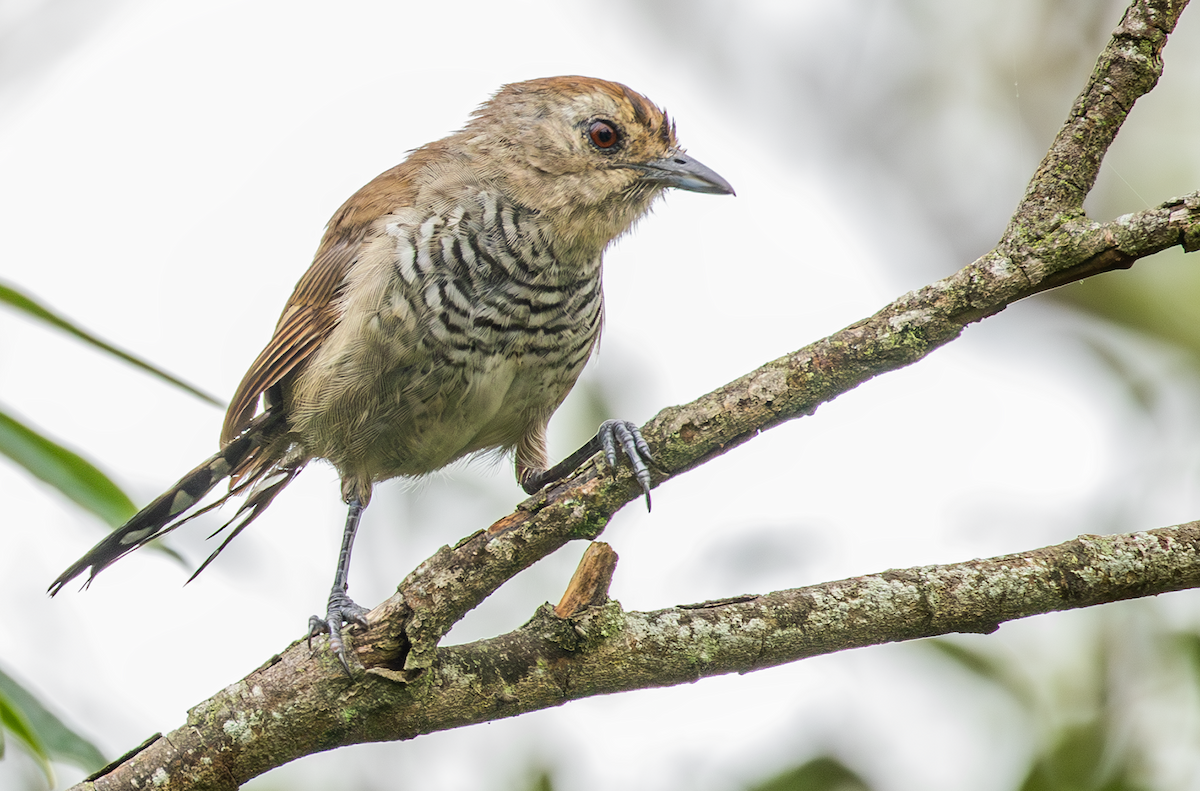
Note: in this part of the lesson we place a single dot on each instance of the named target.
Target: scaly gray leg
(341, 610)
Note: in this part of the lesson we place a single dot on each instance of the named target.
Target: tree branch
(297, 704)
(293, 706)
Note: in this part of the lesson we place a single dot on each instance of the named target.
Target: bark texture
(294, 705)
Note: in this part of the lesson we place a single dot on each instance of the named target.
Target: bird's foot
(614, 433)
(611, 435)
(342, 611)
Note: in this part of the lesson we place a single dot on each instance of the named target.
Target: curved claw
(621, 432)
(610, 434)
(342, 611)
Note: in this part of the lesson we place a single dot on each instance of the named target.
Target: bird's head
(591, 155)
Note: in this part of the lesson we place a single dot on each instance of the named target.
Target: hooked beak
(685, 173)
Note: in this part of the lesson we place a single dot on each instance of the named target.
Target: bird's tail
(240, 460)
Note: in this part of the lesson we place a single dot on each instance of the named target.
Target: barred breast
(464, 331)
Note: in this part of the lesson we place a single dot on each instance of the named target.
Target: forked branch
(298, 704)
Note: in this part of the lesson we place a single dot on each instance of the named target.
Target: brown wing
(312, 311)
(307, 320)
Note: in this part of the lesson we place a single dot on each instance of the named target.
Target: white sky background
(166, 184)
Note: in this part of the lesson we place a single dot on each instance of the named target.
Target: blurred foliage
(542, 781)
(1080, 725)
(23, 303)
(938, 111)
(1084, 725)
(941, 117)
(823, 773)
(1079, 761)
(43, 735)
(991, 669)
(1159, 299)
(68, 472)
(1188, 645)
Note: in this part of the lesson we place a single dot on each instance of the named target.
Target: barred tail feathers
(261, 496)
(169, 510)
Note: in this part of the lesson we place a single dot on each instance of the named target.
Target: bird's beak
(685, 173)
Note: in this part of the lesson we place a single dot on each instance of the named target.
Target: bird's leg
(341, 610)
(610, 434)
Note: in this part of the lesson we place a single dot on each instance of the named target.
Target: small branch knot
(589, 585)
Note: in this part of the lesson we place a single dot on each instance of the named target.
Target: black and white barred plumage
(450, 308)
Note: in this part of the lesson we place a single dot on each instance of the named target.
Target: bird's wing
(313, 310)
(307, 320)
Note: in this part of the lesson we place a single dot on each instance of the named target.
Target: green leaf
(1188, 645)
(823, 773)
(21, 302)
(542, 782)
(56, 741)
(13, 720)
(1083, 759)
(72, 475)
(66, 471)
(1074, 762)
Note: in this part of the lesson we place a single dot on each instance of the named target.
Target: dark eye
(603, 134)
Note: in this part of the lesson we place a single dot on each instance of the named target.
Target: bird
(450, 308)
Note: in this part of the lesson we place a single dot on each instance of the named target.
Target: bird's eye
(603, 134)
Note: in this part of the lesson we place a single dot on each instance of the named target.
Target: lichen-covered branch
(910, 328)
(298, 704)
(454, 581)
(293, 706)
(1127, 69)
(1049, 242)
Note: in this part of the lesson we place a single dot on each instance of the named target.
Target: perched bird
(451, 306)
